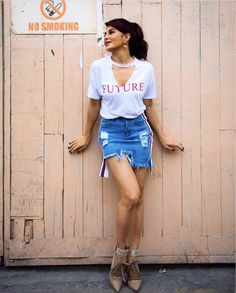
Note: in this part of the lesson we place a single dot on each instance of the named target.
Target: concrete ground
(94, 279)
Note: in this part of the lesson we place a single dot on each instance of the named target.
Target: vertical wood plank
(210, 120)
(73, 115)
(27, 113)
(53, 186)
(110, 192)
(38, 229)
(111, 11)
(172, 201)
(152, 227)
(228, 182)
(54, 139)
(7, 125)
(227, 65)
(132, 14)
(18, 227)
(1, 132)
(93, 196)
(227, 115)
(54, 84)
(191, 160)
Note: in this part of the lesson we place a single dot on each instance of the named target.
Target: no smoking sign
(53, 10)
(54, 16)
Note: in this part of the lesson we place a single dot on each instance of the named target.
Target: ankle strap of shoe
(122, 252)
(133, 252)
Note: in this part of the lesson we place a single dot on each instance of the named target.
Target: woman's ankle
(122, 252)
(133, 252)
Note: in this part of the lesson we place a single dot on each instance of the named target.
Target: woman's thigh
(124, 176)
(141, 176)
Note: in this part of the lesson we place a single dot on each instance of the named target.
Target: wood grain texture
(227, 116)
(73, 124)
(153, 194)
(92, 183)
(53, 46)
(7, 127)
(53, 186)
(190, 100)
(1, 132)
(27, 123)
(110, 194)
(171, 84)
(210, 119)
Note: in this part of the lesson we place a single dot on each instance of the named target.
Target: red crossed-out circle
(52, 10)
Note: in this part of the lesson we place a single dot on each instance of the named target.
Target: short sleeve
(151, 92)
(93, 88)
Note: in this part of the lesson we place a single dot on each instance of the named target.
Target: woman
(121, 89)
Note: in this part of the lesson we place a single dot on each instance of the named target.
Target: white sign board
(54, 16)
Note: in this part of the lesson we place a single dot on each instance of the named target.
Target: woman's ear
(127, 36)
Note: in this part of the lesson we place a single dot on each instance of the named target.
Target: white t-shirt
(121, 101)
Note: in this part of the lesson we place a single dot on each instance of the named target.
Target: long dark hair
(138, 47)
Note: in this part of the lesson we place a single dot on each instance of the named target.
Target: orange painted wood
(73, 124)
(53, 137)
(53, 186)
(27, 112)
(227, 69)
(190, 120)
(92, 183)
(153, 195)
(53, 84)
(103, 247)
(7, 128)
(131, 10)
(111, 11)
(18, 229)
(171, 84)
(227, 116)
(38, 229)
(1, 133)
(210, 120)
(111, 2)
(110, 194)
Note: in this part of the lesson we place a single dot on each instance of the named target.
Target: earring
(125, 45)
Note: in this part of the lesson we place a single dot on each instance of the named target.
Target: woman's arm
(153, 119)
(82, 142)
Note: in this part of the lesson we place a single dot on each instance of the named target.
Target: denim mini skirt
(129, 137)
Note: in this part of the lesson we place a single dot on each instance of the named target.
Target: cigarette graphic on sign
(53, 9)
(58, 6)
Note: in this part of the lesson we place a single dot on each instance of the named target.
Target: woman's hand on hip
(79, 144)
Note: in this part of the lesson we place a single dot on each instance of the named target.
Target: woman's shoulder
(144, 64)
(100, 62)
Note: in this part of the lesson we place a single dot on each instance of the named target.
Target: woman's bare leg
(129, 195)
(136, 222)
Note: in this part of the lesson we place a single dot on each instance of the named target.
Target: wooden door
(1, 135)
(57, 209)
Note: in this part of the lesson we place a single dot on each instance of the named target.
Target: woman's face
(114, 39)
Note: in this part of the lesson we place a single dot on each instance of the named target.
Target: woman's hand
(169, 144)
(78, 144)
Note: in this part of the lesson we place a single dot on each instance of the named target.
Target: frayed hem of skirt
(104, 170)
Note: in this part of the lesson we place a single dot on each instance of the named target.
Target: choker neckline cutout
(123, 65)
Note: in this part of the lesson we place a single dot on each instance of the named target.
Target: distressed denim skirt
(129, 137)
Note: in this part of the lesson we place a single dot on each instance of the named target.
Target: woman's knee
(131, 198)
